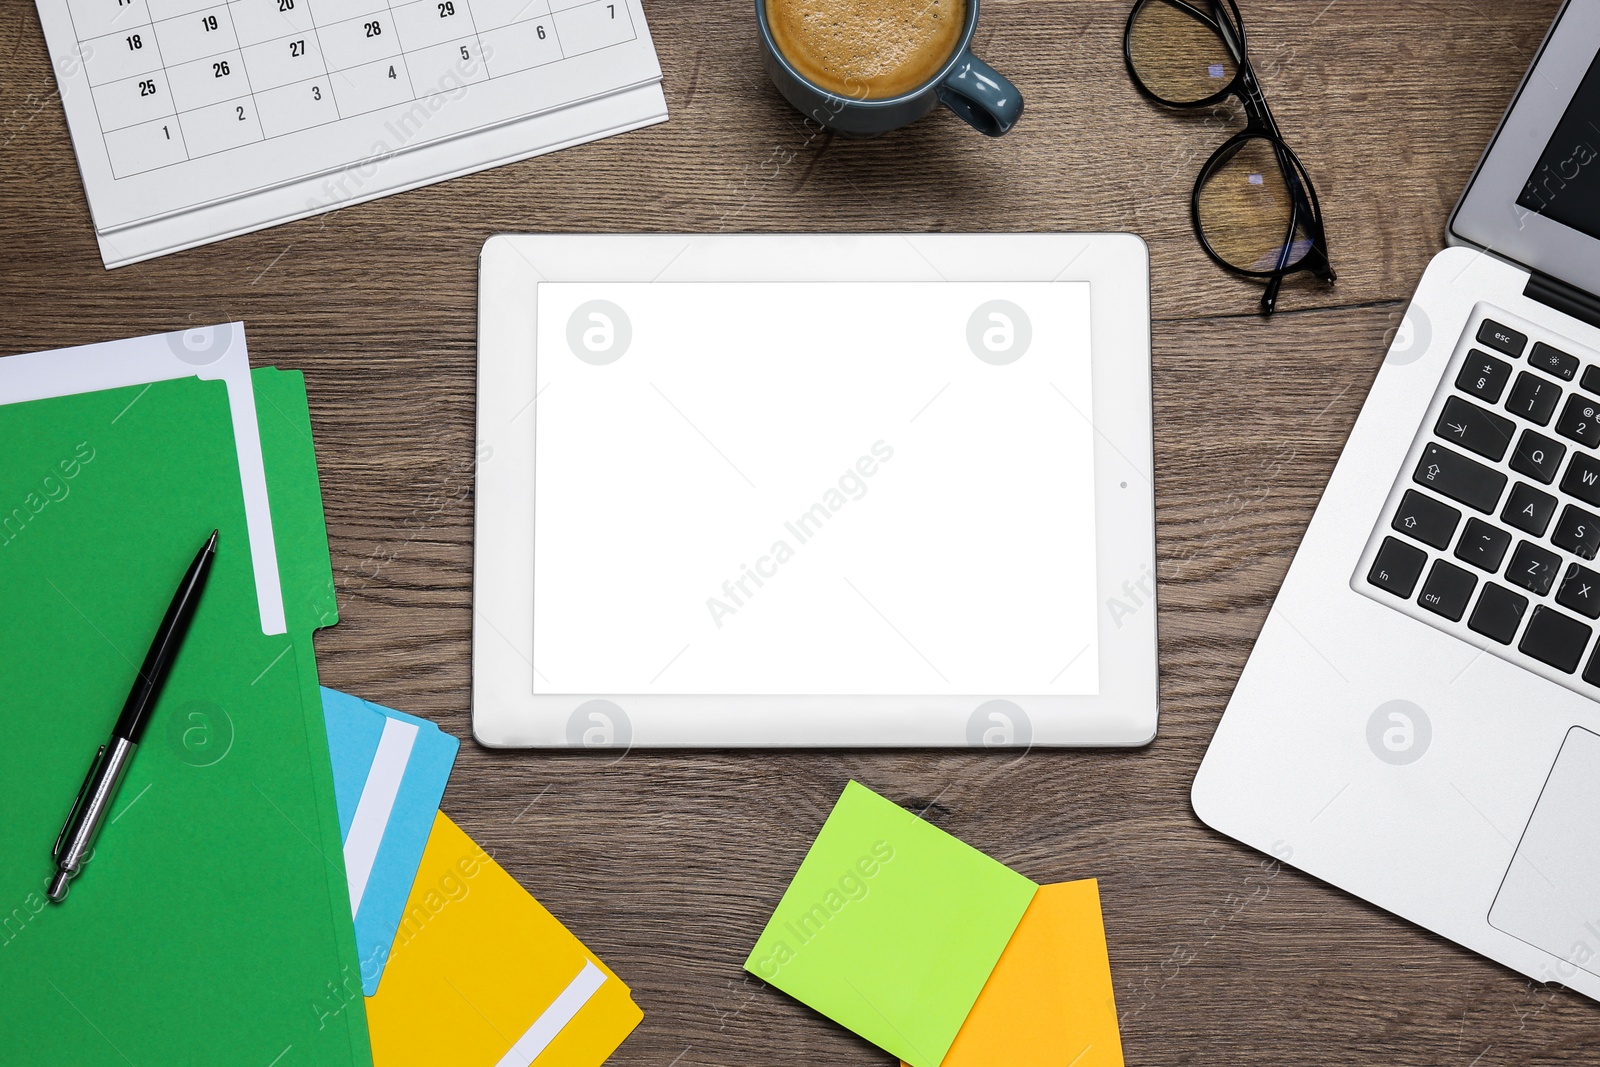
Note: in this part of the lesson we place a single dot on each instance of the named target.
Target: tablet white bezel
(505, 711)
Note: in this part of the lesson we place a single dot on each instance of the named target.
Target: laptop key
(1498, 614)
(1578, 532)
(1591, 673)
(1447, 590)
(1580, 591)
(1431, 521)
(1485, 377)
(1553, 361)
(1534, 398)
(1397, 567)
(1555, 639)
(1463, 480)
(1476, 429)
(1482, 545)
(1538, 457)
(1580, 421)
(1533, 568)
(1502, 338)
(1583, 478)
(1591, 379)
(1528, 509)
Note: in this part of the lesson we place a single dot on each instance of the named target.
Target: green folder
(212, 924)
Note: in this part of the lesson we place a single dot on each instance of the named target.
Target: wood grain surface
(668, 864)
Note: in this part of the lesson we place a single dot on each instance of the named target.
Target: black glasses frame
(1305, 210)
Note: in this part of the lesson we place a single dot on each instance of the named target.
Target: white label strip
(377, 801)
(560, 1012)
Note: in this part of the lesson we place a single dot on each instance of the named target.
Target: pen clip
(77, 803)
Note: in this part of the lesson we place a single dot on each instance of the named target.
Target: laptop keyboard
(1493, 527)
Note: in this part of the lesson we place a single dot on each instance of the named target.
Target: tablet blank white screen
(828, 488)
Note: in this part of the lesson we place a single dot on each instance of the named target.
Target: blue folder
(389, 774)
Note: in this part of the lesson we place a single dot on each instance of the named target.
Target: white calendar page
(290, 107)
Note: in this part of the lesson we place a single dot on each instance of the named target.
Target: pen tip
(58, 887)
(211, 542)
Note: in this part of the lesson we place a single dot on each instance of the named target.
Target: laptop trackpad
(1551, 894)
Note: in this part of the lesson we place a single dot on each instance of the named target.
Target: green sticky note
(891, 927)
(212, 924)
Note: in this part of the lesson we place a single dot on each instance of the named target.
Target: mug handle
(981, 95)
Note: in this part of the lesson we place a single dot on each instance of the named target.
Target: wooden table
(668, 864)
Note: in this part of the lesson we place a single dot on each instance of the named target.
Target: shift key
(1459, 478)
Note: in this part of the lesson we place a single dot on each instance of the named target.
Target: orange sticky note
(481, 973)
(1049, 999)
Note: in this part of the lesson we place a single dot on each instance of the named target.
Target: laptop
(1417, 723)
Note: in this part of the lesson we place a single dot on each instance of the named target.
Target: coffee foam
(867, 49)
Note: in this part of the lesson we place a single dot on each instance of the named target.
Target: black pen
(99, 787)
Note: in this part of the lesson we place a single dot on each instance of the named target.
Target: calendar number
(391, 75)
(465, 55)
(374, 28)
(613, 9)
(135, 41)
(209, 22)
(285, 5)
(316, 92)
(296, 49)
(147, 88)
(220, 69)
(167, 132)
(240, 109)
(540, 31)
(447, 9)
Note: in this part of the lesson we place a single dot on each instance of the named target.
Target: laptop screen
(1565, 186)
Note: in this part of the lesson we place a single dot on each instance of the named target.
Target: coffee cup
(865, 67)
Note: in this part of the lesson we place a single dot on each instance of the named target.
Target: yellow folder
(1049, 998)
(482, 975)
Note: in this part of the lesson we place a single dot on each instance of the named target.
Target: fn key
(1397, 567)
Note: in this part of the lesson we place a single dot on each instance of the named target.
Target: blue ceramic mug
(965, 84)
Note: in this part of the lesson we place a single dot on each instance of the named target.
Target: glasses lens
(1177, 51)
(1245, 207)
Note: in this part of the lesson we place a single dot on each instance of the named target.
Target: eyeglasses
(1254, 209)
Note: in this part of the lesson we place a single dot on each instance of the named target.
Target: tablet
(864, 490)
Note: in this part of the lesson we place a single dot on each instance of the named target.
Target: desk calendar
(195, 120)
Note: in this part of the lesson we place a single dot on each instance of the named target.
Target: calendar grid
(399, 37)
(173, 81)
(316, 32)
(249, 89)
(555, 31)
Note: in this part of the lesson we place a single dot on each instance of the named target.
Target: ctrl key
(1397, 567)
(1447, 590)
